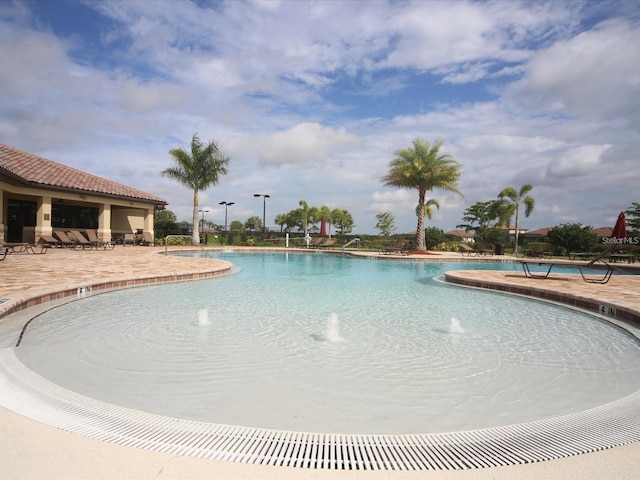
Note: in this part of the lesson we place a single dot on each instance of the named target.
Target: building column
(3, 215)
(43, 218)
(148, 220)
(104, 222)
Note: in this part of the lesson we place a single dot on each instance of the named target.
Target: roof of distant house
(603, 231)
(459, 233)
(541, 232)
(29, 169)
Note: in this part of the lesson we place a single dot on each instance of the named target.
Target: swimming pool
(326, 343)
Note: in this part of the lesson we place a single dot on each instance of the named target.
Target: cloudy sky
(311, 99)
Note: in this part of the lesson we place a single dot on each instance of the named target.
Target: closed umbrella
(323, 228)
(620, 229)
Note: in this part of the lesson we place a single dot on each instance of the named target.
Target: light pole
(202, 223)
(264, 209)
(226, 204)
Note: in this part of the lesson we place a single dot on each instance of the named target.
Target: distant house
(603, 231)
(462, 235)
(539, 235)
(38, 196)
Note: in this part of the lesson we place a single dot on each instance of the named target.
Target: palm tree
(509, 204)
(424, 168)
(307, 215)
(324, 214)
(281, 219)
(198, 171)
(428, 212)
(343, 220)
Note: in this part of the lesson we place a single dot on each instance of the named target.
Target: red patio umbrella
(620, 229)
(323, 228)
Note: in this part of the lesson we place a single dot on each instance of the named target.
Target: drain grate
(28, 394)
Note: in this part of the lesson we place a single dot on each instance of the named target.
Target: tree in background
(307, 216)
(198, 171)
(281, 219)
(164, 223)
(510, 202)
(432, 237)
(236, 226)
(324, 214)
(386, 223)
(573, 237)
(422, 167)
(633, 217)
(343, 220)
(253, 223)
(478, 218)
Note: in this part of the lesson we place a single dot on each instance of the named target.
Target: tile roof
(603, 231)
(541, 232)
(460, 233)
(38, 171)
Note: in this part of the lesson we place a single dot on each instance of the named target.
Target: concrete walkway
(31, 450)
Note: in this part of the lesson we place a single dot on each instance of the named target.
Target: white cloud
(305, 143)
(578, 161)
(594, 73)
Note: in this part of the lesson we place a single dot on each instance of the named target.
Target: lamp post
(264, 209)
(202, 222)
(226, 205)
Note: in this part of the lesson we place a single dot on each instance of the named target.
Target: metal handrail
(350, 242)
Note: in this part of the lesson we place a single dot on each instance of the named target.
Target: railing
(350, 242)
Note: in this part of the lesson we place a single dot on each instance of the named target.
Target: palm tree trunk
(515, 248)
(195, 238)
(420, 241)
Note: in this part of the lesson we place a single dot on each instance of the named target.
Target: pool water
(330, 343)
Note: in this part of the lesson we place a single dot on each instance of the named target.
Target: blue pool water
(330, 343)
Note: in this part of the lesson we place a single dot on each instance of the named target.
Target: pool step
(26, 393)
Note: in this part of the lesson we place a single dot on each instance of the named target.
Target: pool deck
(31, 450)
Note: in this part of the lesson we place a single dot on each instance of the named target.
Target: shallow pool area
(325, 343)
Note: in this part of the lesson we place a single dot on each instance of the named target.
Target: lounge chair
(327, 243)
(3, 253)
(313, 243)
(65, 240)
(93, 237)
(584, 269)
(49, 241)
(399, 247)
(128, 238)
(469, 251)
(147, 239)
(21, 247)
(81, 239)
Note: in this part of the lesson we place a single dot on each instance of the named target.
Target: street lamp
(202, 222)
(226, 205)
(264, 208)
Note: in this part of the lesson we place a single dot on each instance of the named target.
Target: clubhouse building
(39, 196)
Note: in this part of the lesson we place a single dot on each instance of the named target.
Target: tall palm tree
(198, 171)
(509, 205)
(424, 168)
(307, 215)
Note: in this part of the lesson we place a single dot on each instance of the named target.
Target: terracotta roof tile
(459, 233)
(39, 171)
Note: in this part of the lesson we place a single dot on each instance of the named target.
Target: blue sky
(311, 99)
